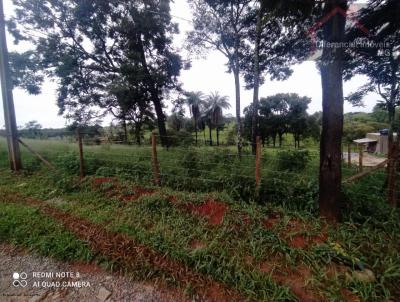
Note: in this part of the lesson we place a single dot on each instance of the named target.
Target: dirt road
(28, 277)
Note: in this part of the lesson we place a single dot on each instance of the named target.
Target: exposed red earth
(296, 279)
(112, 187)
(295, 232)
(213, 211)
(271, 220)
(197, 244)
(138, 192)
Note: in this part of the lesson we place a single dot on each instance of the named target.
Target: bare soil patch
(213, 211)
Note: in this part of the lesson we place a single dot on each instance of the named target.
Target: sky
(206, 75)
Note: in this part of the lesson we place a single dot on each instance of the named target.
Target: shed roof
(364, 141)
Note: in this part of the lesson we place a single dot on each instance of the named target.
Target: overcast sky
(206, 75)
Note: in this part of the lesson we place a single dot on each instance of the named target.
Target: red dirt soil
(128, 254)
(138, 192)
(348, 296)
(271, 220)
(99, 182)
(294, 232)
(213, 210)
(172, 198)
(246, 220)
(295, 279)
(197, 244)
(298, 241)
(115, 189)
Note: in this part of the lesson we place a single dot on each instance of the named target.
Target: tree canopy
(96, 49)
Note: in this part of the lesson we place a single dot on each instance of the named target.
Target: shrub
(179, 138)
(300, 194)
(190, 162)
(293, 160)
(68, 163)
(231, 137)
(106, 171)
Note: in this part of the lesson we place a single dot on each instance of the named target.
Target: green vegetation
(25, 226)
(231, 252)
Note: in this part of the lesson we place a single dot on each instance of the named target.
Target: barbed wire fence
(205, 169)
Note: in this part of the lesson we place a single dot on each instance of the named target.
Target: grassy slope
(153, 221)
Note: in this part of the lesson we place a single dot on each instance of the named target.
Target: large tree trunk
(138, 129)
(330, 173)
(154, 95)
(254, 120)
(160, 119)
(217, 129)
(238, 119)
(393, 150)
(195, 127)
(394, 146)
(125, 129)
(210, 132)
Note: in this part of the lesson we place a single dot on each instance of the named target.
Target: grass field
(203, 222)
(201, 169)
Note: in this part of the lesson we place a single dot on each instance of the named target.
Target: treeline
(282, 114)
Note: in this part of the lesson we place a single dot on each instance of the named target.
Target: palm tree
(215, 104)
(195, 102)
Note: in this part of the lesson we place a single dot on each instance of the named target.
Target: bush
(68, 163)
(180, 138)
(293, 160)
(231, 137)
(190, 162)
(106, 171)
(300, 194)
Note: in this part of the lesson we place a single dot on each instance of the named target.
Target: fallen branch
(37, 154)
(364, 173)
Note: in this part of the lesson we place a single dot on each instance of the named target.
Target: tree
(298, 120)
(176, 121)
(215, 104)
(221, 25)
(382, 67)
(195, 102)
(272, 49)
(25, 71)
(331, 68)
(33, 129)
(282, 113)
(89, 46)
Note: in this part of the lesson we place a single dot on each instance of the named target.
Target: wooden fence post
(258, 164)
(81, 161)
(360, 156)
(349, 155)
(154, 160)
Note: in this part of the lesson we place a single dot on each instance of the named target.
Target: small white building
(376, 142)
